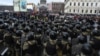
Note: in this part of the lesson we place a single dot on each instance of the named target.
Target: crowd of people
(54, 36)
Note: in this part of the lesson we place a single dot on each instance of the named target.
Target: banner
(20, 5)
(16, 5)
(23, 5)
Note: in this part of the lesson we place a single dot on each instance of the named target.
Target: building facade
(82, 6)
(4, 8)
(42, 6)
(56, 7)
(31, 7)
(43, 1)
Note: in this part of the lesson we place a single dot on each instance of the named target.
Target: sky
(10, 2)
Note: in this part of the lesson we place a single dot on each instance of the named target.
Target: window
(87, 4)
(90, 11)
(86, 11)
(74, 10)
(91, 4)
(69, 10)
(82, 4)
(70, 4)
(74, 4)
(96, 4)
(95, 11)
(78, 10)
(82, 11)
(99, 11)
(78, 4)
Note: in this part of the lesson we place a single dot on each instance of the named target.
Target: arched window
(74, 4)
(82, 4)
(91, 4)
(74, 10)
(90, 11)
(96, 4)
(82, 11)
(78, 4)
(70, 4)
(87, 4)
(95, 11)
(86, 11)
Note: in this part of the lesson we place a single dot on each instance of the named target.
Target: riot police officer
(50, 46)
(95, 42)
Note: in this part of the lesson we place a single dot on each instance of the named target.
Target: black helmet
(1, 21)
(11, 28)
(65, 29)
(63, 24)
(49, 22)
(87, 49)
(70, 27)
(21, 21)
(96, 32)
(6, 25)
(61, 28)
(84, 29)
(40, 25)
(19, 32)
(55, 29)
(31, 25)
(6, 21)
(98, 27)
(89, 27)
(27, 29)
(45, 25)
(23, 25)
(35, 23)
(16, 24)
(56, 25)
(82, 39)
(48, 31)
(65, 35)
(78, 26)
(39, 30)
(53, 35)
(30, 36)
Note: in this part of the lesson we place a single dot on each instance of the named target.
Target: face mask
(38, 35)
(31, 42)
(84, 33)
(97, 37)
(53, 41)
(64, 42)
(78, 30)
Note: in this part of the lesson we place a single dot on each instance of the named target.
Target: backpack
(51, 49)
